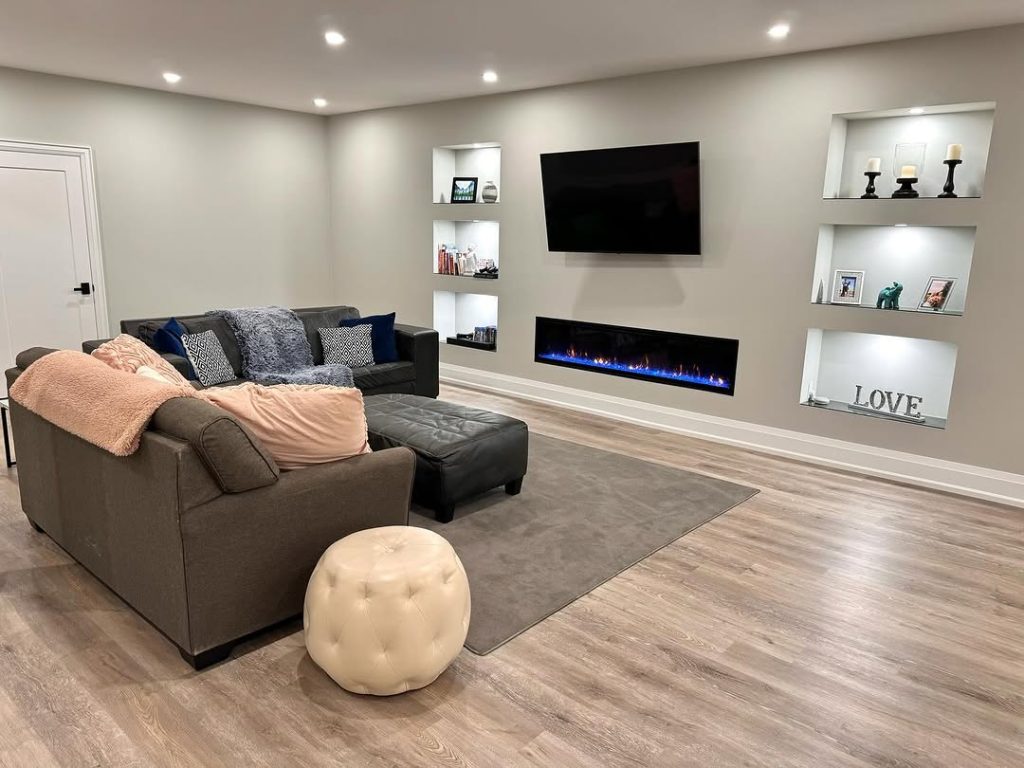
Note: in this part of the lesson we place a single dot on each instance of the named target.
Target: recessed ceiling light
(334, 37)
(319, 102)
(899, 225)
(917, 110)
(779, 31)
(172, 78)
(490, 76)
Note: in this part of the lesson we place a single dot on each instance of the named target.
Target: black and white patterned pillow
(348, 346)
(207, 357)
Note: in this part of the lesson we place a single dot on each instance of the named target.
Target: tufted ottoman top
(387, 609)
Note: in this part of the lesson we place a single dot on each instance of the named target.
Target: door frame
(92, 218)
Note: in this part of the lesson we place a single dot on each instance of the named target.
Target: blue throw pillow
(382, 335)
(167, 339)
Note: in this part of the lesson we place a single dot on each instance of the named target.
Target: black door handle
(83, 288)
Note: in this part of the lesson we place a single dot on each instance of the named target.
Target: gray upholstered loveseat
(414, 373)
(198, 530)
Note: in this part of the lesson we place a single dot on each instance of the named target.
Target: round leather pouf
(387, 610)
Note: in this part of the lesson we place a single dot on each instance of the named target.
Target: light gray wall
(764, 129)
(203, 203)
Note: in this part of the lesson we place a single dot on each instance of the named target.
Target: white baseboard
(965, 479)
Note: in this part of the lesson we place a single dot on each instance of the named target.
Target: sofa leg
(207, 658)
(444, 513)
(513, 488)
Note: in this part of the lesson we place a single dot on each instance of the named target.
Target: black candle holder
(906, 187)
(947, 190)
(869, 191)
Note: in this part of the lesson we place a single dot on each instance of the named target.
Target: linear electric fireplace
(698, 362)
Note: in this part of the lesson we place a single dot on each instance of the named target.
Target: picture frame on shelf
(464, 189)
(936, 294)
(847, 286)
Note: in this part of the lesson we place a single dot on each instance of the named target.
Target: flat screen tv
(625, 200)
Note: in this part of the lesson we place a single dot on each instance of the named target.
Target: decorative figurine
(889, 297)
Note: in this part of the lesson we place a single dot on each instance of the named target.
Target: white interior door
(50, 277)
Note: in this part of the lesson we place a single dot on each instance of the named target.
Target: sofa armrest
(420, 346)
(250, 555)
(181, 364)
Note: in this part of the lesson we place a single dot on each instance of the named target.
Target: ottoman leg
(513, 488)
(444, 513)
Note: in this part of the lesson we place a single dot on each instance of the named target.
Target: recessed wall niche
(466, 319)
(462, 248)
(911, 256)
(836, 363)
(481, 160)
(910, 135)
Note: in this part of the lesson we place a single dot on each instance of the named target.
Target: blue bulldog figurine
(889, 297)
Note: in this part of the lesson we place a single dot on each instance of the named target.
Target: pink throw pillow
(128, 354)
(299, 424)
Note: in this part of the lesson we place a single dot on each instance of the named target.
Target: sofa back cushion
(299, 424)
(234, 456)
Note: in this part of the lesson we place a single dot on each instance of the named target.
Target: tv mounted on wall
(625, 200)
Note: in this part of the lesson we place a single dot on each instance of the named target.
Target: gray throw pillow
(347, 346)
(207, 357)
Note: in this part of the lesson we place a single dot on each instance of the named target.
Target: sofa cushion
(299, 424)
(322, 317)
(235, 458)
(384, 375)
(347, 346)
(207, 358)
(383, 331)
(224, 335)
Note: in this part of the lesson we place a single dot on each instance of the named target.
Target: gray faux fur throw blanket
(275, 349)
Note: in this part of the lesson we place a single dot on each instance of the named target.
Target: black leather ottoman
(460, 451)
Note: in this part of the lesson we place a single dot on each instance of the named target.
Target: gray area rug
(584, 516)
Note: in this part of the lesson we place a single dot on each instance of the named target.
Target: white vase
(489, 194)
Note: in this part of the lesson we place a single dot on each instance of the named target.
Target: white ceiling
(272, 52)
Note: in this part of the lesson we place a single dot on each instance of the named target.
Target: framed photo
(936, 294)
(847, 286)
(464, 189)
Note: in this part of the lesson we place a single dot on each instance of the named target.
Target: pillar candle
(874, 164)
(954, 151)
(908, 172)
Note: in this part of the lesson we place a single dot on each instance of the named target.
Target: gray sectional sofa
(415, 373)
(198, 530)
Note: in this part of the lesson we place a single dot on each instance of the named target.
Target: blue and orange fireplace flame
(700, 362)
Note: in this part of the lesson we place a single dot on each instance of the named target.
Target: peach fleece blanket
(88, 398)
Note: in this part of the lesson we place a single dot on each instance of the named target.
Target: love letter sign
(887, 401)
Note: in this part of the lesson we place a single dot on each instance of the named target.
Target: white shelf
(456, 312)
(481, 160)
(484, 235)
(908, 255)
(855, 137)
(835, 362)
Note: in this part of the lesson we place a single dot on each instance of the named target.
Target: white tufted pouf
(386, 610)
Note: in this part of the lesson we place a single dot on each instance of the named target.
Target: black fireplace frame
(730, 390)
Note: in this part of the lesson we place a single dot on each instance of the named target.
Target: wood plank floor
(833, 620)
